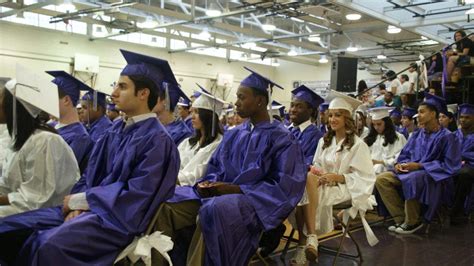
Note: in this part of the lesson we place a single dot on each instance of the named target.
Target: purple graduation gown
(131, 172)
(99, 127)
(308, 139)
(268, 165)
(76, 136)
(467, 154)
(440, 155)
(178, 131)
(323, 128)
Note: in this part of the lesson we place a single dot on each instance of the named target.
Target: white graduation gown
(4, 143)
(356, 166)
(193, 161)
(387, 154)
(39, 175)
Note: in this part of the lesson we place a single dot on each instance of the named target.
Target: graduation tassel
(94, 103)
(14, 129)
(167, 97)
(214, 122)
(269, 91)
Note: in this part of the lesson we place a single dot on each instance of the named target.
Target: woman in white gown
(384, 141)
(342, 171)
(196, 151)
(39, 167)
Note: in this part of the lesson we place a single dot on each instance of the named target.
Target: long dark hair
(389, 133)
(453, 126)
(206, 118)
(26, 124)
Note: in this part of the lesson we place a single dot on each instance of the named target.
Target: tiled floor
(449, 245)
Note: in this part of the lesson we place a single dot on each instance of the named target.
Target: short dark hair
(257, 92)
(142, 82)
(414, 65)
(431, 107)
(405, 77)
(382, 86)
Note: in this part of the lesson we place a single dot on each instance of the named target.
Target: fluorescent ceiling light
(423, 37)
(67, 6)
(149, 23)
(353, 16)
(381, 56)
(292, 52)
(352, 48)
(314, 38)
(205, 34)
(268, 25)
(297, 19)
(393, 30)
(213, 10)
(323, 59)
(249, 45)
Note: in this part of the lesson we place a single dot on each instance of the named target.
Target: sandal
(311, 249)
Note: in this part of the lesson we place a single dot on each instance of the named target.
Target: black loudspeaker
(344, 74)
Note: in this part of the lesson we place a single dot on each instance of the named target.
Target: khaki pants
(176, 216)
(408, 212)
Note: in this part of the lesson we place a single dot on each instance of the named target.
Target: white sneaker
(311, 249)
(300, 256)
(405, 229)
(393, 228)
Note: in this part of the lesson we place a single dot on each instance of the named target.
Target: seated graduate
(69, 126)
(93, 110)
(447, 118)
(132, 170)
(196, 151)
(423, 170)
(112, 113)
(408, 122)
(464, 178)
(384, 141)
(39, 167)
(253, 181)
(342, 171)
(167, 101)
(184, 112)
(323, 118)
(277, 110)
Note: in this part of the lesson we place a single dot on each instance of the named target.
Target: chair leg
(287, 245)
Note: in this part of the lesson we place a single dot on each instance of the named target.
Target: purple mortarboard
(184, 102)
(466, 109)
(409, 112)
(69, 85)
(436, 101)
(277, 109)
(304, 93)
(175, 93)
(258, 81)
(155, 69)
(396, 113)
(89, 96)
(323, 107)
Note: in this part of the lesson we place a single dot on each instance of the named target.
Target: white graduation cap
(379, 113)
(339, 100)
(275, 110)
(453, 108)
(209, 102)
(34, 91)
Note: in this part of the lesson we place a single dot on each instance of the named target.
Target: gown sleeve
(450, 161)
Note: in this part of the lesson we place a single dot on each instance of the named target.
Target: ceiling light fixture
(213, 10)
(323, 59)
(352, 48)
(423, 37)
(149, 23)
(314, 38)
(249, 45)
(393, 30)
(381, 56)
(268, 25)
(67, 6)
(353, 16)
(205, 34)
(292, 52)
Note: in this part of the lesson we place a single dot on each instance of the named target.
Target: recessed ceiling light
(353, 16)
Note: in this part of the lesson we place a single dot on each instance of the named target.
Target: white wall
(42, 49)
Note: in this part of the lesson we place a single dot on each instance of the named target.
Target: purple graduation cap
(184, 102)
(277, 109)
(155, 69)
(466, 109)
(304, 93)
(396, 113)
(69, 84)
(438, 102)
(175, 93)
(323, 107)
(409, 112)
(261, 83)
(95, 96)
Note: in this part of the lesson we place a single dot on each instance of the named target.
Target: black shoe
(406, 229)
(271, 239)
